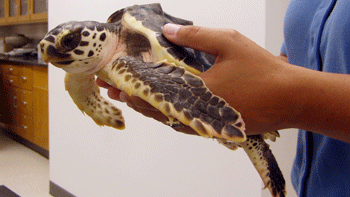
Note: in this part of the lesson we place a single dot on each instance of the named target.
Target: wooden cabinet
(13, 14)
(38, 10)
(24, 98)
(3, 12)
(22, 11)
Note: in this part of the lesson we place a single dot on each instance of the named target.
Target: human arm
(270, 93)
(283, 57)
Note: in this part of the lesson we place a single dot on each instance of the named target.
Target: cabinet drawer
(26, 72)
(18, 76)
(26, 78)
(11, 96)
(22, 124)
(21, 81)
(10, 69)
(21, 100)
(25, 123)
(25, 101)
(12, 80)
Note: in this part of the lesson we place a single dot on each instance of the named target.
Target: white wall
(146, 159)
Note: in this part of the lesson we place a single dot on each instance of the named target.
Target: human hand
(244, 74)
(247, 76)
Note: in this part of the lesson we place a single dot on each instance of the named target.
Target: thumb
(209, 40)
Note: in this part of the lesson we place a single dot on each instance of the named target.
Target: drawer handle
(10, 69)
(24, 102)
(24, 127)
(10, 80)
(24, 78)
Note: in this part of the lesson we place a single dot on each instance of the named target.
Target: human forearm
(318, 102)
(283, 57)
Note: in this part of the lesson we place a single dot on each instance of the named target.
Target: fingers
(210, 40)
(160, 117)
(141, 104)
(136, 102)
(155, 114)
(115, 93)
(102, 83)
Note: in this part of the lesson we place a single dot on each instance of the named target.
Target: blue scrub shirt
(317, 36)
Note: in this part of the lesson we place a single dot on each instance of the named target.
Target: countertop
(21, 60)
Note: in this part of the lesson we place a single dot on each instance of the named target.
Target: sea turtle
(130, 53)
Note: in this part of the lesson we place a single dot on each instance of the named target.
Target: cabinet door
(23, 10)
(25, 101)
(5, 100)
(41, 106)
(41, 117)
(22, 125)
(26, 77)
(13, 11)
(24, 7)
(38, 10)
(13, 8)
(3, 12)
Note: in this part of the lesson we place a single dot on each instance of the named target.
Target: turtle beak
(51, 54)
(42, 47)
(45, 57)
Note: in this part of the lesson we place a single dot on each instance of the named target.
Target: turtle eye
(71, 41)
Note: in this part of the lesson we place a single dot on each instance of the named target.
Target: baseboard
(27, 143)
(6, 192)
(57, 191)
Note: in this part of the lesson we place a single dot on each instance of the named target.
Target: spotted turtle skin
(130, 53)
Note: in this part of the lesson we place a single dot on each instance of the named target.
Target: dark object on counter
(27, 52)
(21, 60)
(16, 41)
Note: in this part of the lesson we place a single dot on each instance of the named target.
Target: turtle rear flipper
(178, 94)
(265, 163)
(86, 95)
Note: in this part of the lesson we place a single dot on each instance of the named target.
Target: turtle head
(79, 46)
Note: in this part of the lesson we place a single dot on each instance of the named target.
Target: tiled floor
(22, 170)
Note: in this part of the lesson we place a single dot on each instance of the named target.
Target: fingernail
(122, 97)
(130, 105)
(171, 29)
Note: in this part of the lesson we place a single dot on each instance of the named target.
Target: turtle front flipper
(86, 95)
(265, 163)
(178, 94)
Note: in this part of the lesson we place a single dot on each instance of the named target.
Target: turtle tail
(265, 163)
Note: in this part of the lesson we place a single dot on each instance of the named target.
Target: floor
(22, 170)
